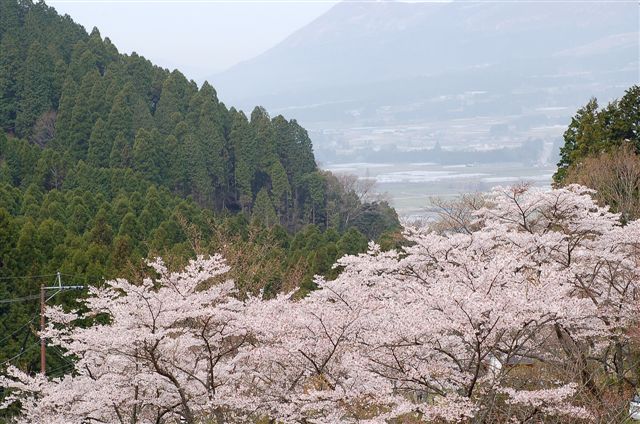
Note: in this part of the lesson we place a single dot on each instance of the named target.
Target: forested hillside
(602, 151)
(106, 159)
(75, 95)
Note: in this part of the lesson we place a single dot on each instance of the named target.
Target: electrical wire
(19, 329)
(24, 325)
(50, 297)
(25, 277)
(20, 354)
(25, 298)
(62, 356)
(20, 299)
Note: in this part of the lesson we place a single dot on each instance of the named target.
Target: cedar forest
(286, 293)
(106, 159)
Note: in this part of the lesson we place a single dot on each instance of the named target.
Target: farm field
(410, 187)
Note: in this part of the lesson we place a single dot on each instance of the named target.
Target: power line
(19, 354)
(31, 297)
(19, 329)
(23, 326)
(58, 287)
(20, 299)
(62, 356)
(26, 277)
(82, 277)
(51, 297)
(36, 296)
(63, 368)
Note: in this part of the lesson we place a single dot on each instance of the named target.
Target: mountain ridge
(388, 63)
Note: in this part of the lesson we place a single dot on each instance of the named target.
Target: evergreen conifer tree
(99, 145)
(280, 188)
(65, 112)
(120, 121)
(244, 148)
(149, 155)
(10, 61)
(263, 211)
(36, 82)
(82, 117)
(175, 95)
(120, 156)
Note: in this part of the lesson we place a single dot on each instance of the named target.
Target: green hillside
(107, 159)
(602, 151)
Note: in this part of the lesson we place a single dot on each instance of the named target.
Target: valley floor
(410, 187)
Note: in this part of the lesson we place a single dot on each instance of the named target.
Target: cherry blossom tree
(165, 352)
(307, 364)
(517, 312)
(600, 259)
(443, 329)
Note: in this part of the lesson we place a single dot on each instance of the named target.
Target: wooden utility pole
(43, 345)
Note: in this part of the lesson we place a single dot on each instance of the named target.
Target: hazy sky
(200, 37)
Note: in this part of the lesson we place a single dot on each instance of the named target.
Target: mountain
(461, 73)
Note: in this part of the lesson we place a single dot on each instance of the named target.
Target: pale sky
(199, 37)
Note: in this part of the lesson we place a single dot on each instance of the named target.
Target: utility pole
(43, 344)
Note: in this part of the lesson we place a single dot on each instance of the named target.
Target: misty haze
(488, 86)
(319, 212)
